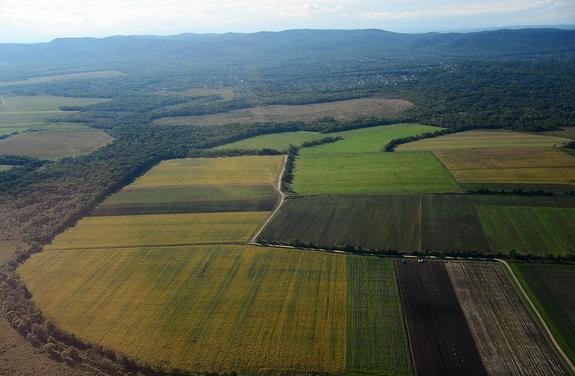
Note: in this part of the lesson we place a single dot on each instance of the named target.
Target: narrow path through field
(278, 187)
(539, 317)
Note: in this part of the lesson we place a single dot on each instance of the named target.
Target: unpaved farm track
(278, 206)
(509, 340)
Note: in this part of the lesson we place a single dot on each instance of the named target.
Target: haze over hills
(345, 48)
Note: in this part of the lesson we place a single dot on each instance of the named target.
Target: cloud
(33, 20)
(458, 10)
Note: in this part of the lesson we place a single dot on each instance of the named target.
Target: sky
(26, 21)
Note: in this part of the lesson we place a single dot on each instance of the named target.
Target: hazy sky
(43, 20)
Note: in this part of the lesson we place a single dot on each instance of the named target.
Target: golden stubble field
(209, 308)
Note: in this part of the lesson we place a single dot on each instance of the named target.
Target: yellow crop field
(159, 230)
(248, 170)
(205, 308)
(511, 165)
(483, 139)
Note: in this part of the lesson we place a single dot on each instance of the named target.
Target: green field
(550, 287)
(540, 231)
(206, 309)
(277, 141)
(484, 139)
(55, 141)
(450, 223)
(189, 199)
(372, 222)
(438, 223)
(159, 230)
(367, 140)
(376, 339)
(19, 113)
(317, 174)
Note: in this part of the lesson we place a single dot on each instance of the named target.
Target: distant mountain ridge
(265, 48)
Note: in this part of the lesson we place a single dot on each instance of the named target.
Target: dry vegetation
(54, 141)
(509, 165)
(245, 309)
(62, 77)
(159, 230)
(250, 170)
(482, 139)
(341, 110)
(509, 341)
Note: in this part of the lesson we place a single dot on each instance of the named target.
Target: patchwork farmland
(20, 113)
(174, 250)
(380, 223)
(440, 339)
(357, 165)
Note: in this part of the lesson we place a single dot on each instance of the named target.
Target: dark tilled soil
(440, 339)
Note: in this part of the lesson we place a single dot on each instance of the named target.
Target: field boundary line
(539, 317)
(279, 204)
(449, 172)
(175, 245)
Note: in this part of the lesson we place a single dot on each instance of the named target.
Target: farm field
(61, 77)
(19, 113)
(440, 339)
(249, 170)
(550, 287)
(54, 141)
(509, 341)
(484, 138)
(510, 165)
(200, 185)
(377, 341)
(276, 141)
(370, 222)
(189, 199)
(364, 140)
(367, 140)
(450, 223)
(540, 231)
(159, 230)
(340, 110)
(438, 223)
(245, 309)
(317, 174)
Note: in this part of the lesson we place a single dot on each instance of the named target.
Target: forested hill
(268, 49)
